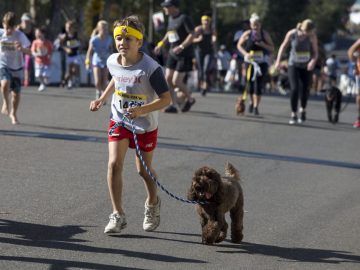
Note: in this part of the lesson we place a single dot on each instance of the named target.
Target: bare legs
(15, 101)
(117, 152)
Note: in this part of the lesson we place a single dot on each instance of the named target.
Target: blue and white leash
(131, 121)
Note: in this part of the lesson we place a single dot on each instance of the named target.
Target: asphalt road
(301, 185)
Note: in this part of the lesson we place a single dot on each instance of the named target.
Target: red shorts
(147, 141)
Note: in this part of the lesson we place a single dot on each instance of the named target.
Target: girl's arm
(88, 55)
(244, 37)
(283, 47)
(352, 49)
(158, 104)
(314, 45)
(97, 103)
(197, 34)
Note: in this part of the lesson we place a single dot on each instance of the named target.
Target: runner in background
(27, 27)
(71, 44)
(42, 49)
(204, 38)
(100, 48)
(13, 45)
(256, 45)
(302, 60)
(179, 35)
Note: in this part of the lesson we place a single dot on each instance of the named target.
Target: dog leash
(131, 122)
(257, 72)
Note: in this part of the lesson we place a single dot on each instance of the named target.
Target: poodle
(240, 106)
(217, 195)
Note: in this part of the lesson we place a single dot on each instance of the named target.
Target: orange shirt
(42, 50)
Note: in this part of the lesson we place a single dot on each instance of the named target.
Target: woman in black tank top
(256, 45)
(204, 38)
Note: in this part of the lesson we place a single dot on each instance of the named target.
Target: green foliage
(278, 16)
(328, 16)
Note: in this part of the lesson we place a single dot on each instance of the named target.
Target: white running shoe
(69, 84)
(152, 216)
(116, 223)
(41, 87)
(293, 120)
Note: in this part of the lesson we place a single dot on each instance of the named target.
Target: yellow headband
(127, 31)
(205, 18)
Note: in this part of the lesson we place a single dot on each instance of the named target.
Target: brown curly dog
(240, 106)
(219, 195)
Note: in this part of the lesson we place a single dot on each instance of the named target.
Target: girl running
(139, 89)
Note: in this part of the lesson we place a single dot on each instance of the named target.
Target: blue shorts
(13, 76)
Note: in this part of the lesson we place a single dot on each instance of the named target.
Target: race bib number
(173, 36)
(41, 51)
(302, 57)
(73, 43)
(6, 46)
(258, 56)
(125, 100)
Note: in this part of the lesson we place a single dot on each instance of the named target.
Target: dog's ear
(191, 195)
(213, 175)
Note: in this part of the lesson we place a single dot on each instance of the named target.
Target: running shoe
(251, 108)
(356, 124)
(188, 105)
(171, 109)
(69, 84)
(152, 216)
(256, 111)
(302, 117)
(41, 87)
(116, 223)
(336, 118)
(293, 120)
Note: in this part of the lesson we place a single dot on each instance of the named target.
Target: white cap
(254, 18)
(26, 17)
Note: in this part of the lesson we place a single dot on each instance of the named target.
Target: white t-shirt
(136, 85)
(10, 57)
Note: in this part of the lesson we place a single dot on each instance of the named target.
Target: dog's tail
(231, 171)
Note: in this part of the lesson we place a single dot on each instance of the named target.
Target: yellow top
(127, 31)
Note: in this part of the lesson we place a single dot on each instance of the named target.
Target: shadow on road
(186, 147)
(310, 123)
(62, 238)
(64, 265)
(294, 254)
